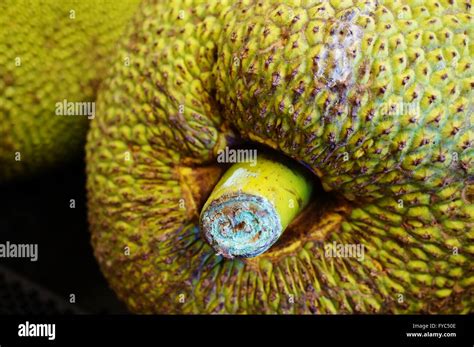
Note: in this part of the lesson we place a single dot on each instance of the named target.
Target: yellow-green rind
(51, 51)
(254, 65)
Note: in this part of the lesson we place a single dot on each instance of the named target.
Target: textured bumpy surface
(51, 51)
(323, 83)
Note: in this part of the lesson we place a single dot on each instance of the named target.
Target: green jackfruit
(375, 97)
(52, 53)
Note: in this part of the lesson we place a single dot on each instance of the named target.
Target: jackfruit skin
(51, 51)
(313, 80)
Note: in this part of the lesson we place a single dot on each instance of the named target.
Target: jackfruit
(374, 97)
(53, 56)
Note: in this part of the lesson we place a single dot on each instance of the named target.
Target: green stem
(252, 205)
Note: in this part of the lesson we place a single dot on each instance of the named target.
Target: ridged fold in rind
(318, 82)
(51, 52)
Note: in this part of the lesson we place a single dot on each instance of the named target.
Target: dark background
(37, 210)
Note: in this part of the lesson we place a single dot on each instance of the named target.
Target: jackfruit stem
(252, 204)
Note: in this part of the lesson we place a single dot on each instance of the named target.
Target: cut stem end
(240, 225)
